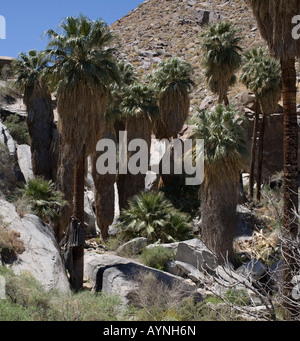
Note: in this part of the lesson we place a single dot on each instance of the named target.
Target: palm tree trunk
(221, 97)
(290, 190)
(260, 156)
(253, 151)
(129, 185)
(40, 125)
(226, 100)
(65, 184)
(218, 218)
(76, 237)
(289, 93)
(104, 190)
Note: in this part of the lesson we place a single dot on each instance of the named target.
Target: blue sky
(27, 20)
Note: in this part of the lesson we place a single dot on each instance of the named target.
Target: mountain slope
(157, 29)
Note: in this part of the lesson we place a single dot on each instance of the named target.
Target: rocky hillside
(157, 29)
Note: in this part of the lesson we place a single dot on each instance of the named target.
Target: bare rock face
(42, 256)
(10, 173)
(158, 29)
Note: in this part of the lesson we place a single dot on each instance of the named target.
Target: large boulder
(10, 173)
(194, 252)
(120, 276)
(24, 160)
(42, 256)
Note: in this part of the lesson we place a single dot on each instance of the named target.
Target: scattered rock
(132, 247)
(254, 269)
(194, 252)
(207, 103)
(191, 272)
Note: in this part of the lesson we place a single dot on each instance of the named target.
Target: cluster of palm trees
(98, 97)
(275, 22)
(269, 75)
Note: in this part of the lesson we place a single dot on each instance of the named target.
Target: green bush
(157, 257)
(43, 199)
(18, 129)
(152, 216)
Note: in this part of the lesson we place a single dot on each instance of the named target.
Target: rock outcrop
(42, 256)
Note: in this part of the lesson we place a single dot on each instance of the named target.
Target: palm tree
(152, 216)
(139, 113)
(29, 69)
(173, 81)
(43, 199)
(104, 184)
(221, 58)
(274, 18)
(262, 76)
(104, 188)
(225, 148)
(83, 67)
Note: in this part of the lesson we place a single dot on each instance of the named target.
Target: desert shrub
(237, 297)
(27, 300)
(154, 298)
(87, 306)
(157, 257)
(26, 292)
(10, 245)
(43, 199)
(157, 301)
(18, 129)
(152, 216)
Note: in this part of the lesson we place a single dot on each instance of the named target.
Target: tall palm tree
(221, 58)
(262, 75)
(225, 148)
(104, 188)
(29, 69)
(274, 18)
(83, 67)
(173, 82)
(139, 111)
(105, 183)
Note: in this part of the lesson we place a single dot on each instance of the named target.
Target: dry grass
(10, 245)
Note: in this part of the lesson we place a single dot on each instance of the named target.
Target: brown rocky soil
(157, 29)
